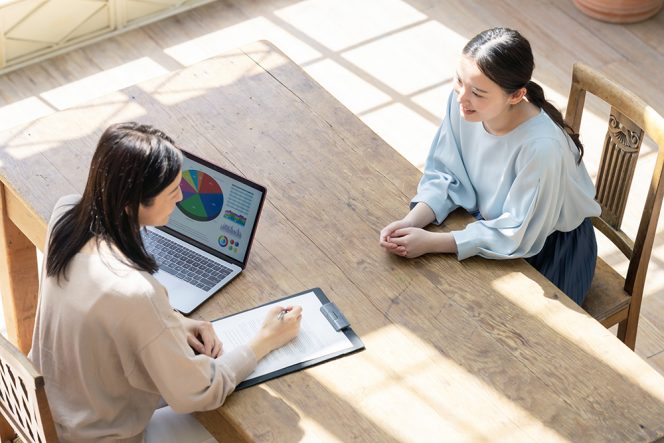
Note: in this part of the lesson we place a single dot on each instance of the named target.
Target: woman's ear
(517, 96)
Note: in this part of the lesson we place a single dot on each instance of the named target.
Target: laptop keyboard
(184, 263)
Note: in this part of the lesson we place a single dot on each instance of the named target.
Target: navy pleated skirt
(568, 260)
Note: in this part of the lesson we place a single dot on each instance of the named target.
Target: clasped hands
(400, 238)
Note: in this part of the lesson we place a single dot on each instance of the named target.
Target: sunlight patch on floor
(434, 101)
(404, 129)
(410, 60)
(356, 94)
(232, 37)
(340, 24)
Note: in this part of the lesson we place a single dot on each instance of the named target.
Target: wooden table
(476, 351)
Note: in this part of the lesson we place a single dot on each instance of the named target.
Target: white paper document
(317, 336)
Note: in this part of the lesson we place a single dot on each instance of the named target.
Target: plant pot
(619, 11)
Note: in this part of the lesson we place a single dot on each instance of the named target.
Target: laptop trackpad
(182, 296)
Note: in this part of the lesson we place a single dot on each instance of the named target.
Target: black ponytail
(535, 95)
(505, 57)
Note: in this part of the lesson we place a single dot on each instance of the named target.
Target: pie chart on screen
(202, 197)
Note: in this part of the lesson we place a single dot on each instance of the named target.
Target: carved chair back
(613, 299)
(23, 403)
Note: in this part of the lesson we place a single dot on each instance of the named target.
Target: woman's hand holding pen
(281, 325)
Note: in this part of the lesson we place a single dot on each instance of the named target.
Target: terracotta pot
(619, 11)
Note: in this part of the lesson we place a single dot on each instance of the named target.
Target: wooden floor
(389, 61)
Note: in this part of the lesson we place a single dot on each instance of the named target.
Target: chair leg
(622, 329)
(627, 332)
(6, 431)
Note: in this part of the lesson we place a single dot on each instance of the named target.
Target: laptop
(207, 240)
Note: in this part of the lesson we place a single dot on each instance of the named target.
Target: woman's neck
(512, 117)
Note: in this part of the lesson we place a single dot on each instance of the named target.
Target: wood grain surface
(475, 350)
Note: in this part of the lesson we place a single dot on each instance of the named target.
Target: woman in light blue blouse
(504, 154)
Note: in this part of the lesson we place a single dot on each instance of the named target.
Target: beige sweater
(110, 346)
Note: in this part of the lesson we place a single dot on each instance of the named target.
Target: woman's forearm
(443, 242)
(420, 216)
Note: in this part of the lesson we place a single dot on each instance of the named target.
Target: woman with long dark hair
(106, 340)
(504, 154)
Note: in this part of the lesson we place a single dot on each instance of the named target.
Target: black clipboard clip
(334, 316)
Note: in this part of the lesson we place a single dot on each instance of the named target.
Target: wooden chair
(25, 412)
(613, 299)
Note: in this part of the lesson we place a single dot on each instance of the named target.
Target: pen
(283, 312)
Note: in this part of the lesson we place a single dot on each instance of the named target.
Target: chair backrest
(23, 400)
(630, 118)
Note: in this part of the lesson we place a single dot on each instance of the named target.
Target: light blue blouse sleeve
(445, 184)
(529, 213)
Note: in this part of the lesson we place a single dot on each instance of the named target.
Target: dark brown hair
(505, 57)
(132, 164)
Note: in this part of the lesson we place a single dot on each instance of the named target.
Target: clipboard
(339, 328)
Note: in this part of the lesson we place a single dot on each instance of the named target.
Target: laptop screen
(219, 210)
